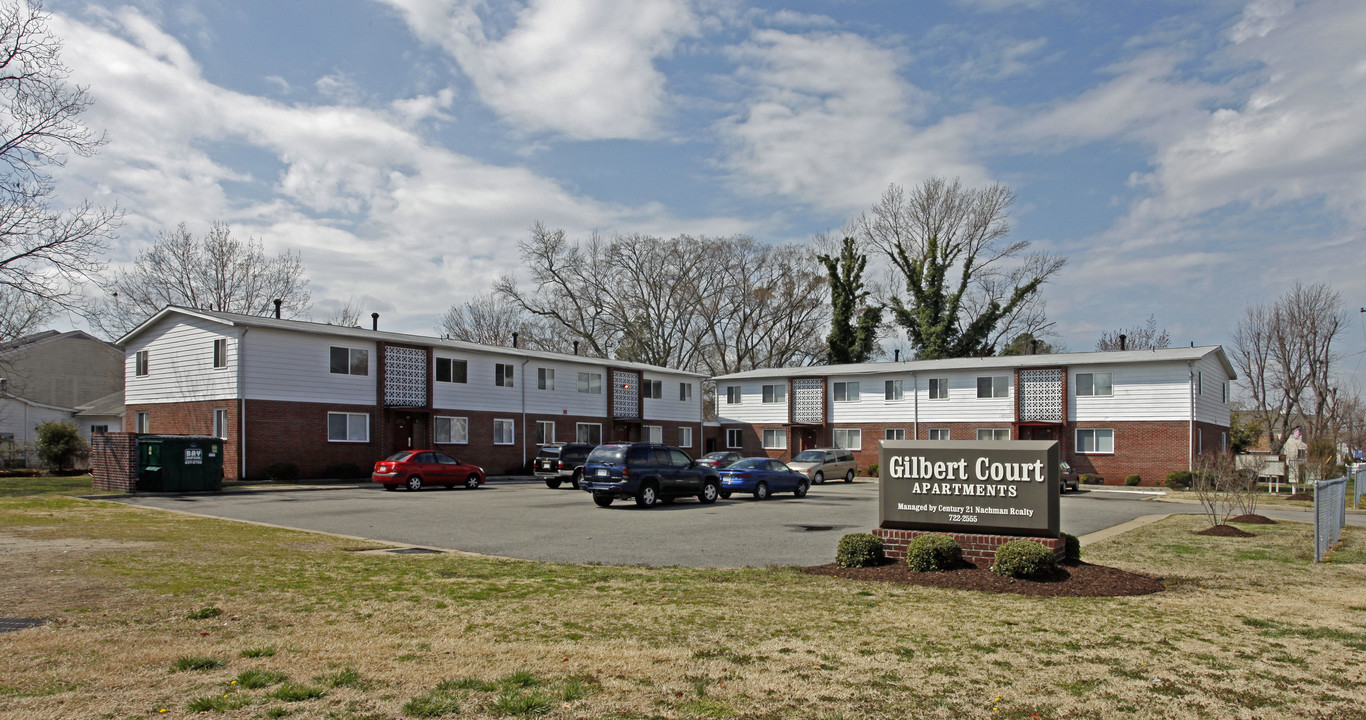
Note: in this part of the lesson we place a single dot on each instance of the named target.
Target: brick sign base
(979, 550)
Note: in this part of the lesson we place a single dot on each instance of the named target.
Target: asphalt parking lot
(531, 521)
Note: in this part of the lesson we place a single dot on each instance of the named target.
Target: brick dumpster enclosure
(114, 461)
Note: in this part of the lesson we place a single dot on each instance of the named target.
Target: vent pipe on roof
(278, 303)
(1033, 346)
(576, 347)
(374, 321)
(1122, 339)
(514, 340)
(896, 355)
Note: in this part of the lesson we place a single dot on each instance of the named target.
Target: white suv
(822, 463)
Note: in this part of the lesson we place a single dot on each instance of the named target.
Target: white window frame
(684, 392)
(545, 432)
(774, 394)
(220, 353)
(735, 438)
(220, 423)
(98, 429)
(1096, 435)
(1090, 386)
(733, 395)
(946, 432)
(351, 419)
(1000, 386)
(845, 391)
(894, 433)
(685, 437)
(142, 424)
(652, 389)
(579, 429)
(509, 431)
(938, 388)
(775, 439)
(892, 391)
(545, 378)
(452, 423)
(850, 434)
(653, 434)
(590, 383)
(504, 375)
(450, 364)
(140, 363)
(352, 354)
(993, 432)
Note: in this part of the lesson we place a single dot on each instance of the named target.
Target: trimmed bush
(1132, 480)
(931, 553)
(859, 550)
(282, 472)
(872, 470)
(1180, 479)
(1072, 549)
(1023, 559)
(344, 471)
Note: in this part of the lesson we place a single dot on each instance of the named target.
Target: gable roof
(48, 336)
(1189, 354)
(111, 404)
(359, 333)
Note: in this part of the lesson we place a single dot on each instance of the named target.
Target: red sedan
(414, 468)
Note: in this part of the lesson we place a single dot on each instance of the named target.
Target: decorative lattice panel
(1041, 395)
(405, 377)
(807, 404)
(625, 394)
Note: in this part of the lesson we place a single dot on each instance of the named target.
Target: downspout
(915, 412)
(242, 404)
(1190, 433)
(524, 435)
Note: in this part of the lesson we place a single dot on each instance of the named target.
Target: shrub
(1072, 548)
(58, 443)
(258, 678)
(196, 662)
(1132, 480)
(1085, 479)
(346, 677)
(1023, 559)
(259, 652)
(872, 470)
(204, 613)
(282, 472)
(344, 471)
(1179, 479)
(859, 550)
(933, 552)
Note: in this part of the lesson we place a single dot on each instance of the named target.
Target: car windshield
(608, 454)
(810, 456)
(717, 456)
(748, 464)
(548, 452)
(398, 456)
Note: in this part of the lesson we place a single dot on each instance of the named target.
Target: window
(502, 374)
(939, 388)
(1224, 395)
(545, 432)
(1094, 384)
(502, 432)
(939, 433)
(892, 390)
(734, 439)
(654, 434)
(733, 395)
(1223, 441)
(590, 383)
(220, 423)
(894, 434)
(451, 370)
(144, 423)
(96, 429)
(993, 433)
(997, 386)
(653, 389)
(545, 378)
(684, 392)
(775, 393)
(685, 437)
(846, 392)
(775, 439)
(590, 433)
(1095, 441)
(220, 353)
(348, 427)
(349, 361)
(452, 430)
(141, 363)
(1199, 383)
(849, 438)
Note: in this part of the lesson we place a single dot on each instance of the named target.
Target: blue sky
(1188, 157)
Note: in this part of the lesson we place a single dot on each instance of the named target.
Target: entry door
(403, 436)
(1028, 432)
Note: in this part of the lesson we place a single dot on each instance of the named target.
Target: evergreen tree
(850, 340)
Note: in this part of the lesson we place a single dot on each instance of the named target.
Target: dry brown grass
(1249, 628)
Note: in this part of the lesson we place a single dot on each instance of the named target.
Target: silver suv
(822, 463)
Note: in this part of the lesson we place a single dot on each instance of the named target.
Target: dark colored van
(560, 462)
(647, 473)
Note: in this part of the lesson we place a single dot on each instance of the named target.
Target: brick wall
(193, 418)
(114, 461)
(979, 550)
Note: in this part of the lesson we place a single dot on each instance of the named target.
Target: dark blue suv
(648, 473)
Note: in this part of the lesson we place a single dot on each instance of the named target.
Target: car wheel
(820, 478)
(578, 475)
(725, 494)
(414, 483)
(647, 495)
(708, 494)
(761, 491)
(602, 499)
(552, 484)
(802, 487)
(472, 482)
(849, 476)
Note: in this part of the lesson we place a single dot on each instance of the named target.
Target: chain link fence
(1358, 474)
(1330, 514)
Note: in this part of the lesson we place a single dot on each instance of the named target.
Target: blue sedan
(763, 477)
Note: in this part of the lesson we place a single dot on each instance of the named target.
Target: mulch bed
(1225, 531)
(1253, 520)
(1299, 496)
(1070, 580)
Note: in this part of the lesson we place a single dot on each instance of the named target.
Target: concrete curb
(1120, 529)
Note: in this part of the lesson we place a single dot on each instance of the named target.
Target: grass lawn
(153, 611)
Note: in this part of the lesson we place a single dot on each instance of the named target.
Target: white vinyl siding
(1212, 406)
(1140, 392)
(749, 406)
(1091, 440)
(666, 403)
(180, 363)
(283, 365)
(348, 427)
(452, 430)
(775, 439)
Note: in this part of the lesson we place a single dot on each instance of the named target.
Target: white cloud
(1000, 60)
(582, 68)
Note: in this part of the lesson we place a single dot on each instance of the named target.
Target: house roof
(1009, 361)
(111, 404)
(360, 333)
(47, 336)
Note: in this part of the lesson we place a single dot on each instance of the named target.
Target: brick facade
(114, 461)
(979, 550)
(193, 418)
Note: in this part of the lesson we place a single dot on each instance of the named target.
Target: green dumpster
(180, 463)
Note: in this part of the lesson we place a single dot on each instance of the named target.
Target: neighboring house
(1144, 412)
(102, 415)
(320, 395)
(49, 376)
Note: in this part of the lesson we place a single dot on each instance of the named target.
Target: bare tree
(963, 278)
(348, 315)
(46, 255)
(1216, 483)
(1140, 337)
(213, 272)
(21, 313)
(489, 319)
